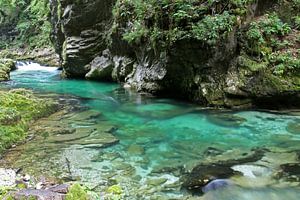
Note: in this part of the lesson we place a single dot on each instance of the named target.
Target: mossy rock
(19, 107)
(250, 64)
(6, 66)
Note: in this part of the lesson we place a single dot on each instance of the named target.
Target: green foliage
(270, 40)
(285, 62)
(297, 22)
(162, 23)
(264, 33)
(77, 192)
(212, 28)
(30, 19)
(4, 192)
(18, 108)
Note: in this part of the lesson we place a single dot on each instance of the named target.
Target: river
(156, 134)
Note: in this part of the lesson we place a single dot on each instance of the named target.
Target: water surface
(157, 134)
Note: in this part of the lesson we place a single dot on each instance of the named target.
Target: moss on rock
(18, 108)
(6, 65)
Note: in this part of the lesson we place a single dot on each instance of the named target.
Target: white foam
(32, 66)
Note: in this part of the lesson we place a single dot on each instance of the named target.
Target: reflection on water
(159, 141)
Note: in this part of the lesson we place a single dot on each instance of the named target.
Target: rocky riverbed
(133, 146)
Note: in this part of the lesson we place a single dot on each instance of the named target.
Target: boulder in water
(203, 174)
(216, 184)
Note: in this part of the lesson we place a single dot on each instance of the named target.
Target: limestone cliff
(213, 75)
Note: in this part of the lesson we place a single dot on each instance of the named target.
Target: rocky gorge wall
(216, 75)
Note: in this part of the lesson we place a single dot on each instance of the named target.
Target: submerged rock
(290, 171)
(156, 182)
(226, 119)
(293, 128)
(86, 115)
(100, 140)
(136, 149)
(216, 184)
(211, 151)
(202, 174)
(79, 134)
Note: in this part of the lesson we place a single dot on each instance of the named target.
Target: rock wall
(208, 75)
(78, 32)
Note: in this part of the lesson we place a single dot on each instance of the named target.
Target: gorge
(134, 99)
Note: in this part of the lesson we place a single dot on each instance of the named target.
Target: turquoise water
(158, 133)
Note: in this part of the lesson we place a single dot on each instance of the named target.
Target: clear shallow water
(158, 133)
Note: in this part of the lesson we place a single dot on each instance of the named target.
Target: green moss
(4, 192)
(19, 108)
(77, 192)
(6, 65)
(250, 64)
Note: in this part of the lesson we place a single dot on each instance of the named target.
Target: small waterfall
(32, 66)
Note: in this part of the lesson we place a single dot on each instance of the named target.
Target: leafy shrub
(213, 28)
(162, 23)
(264, 33)
(285, 62)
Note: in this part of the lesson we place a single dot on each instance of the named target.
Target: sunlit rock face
(215, 75)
